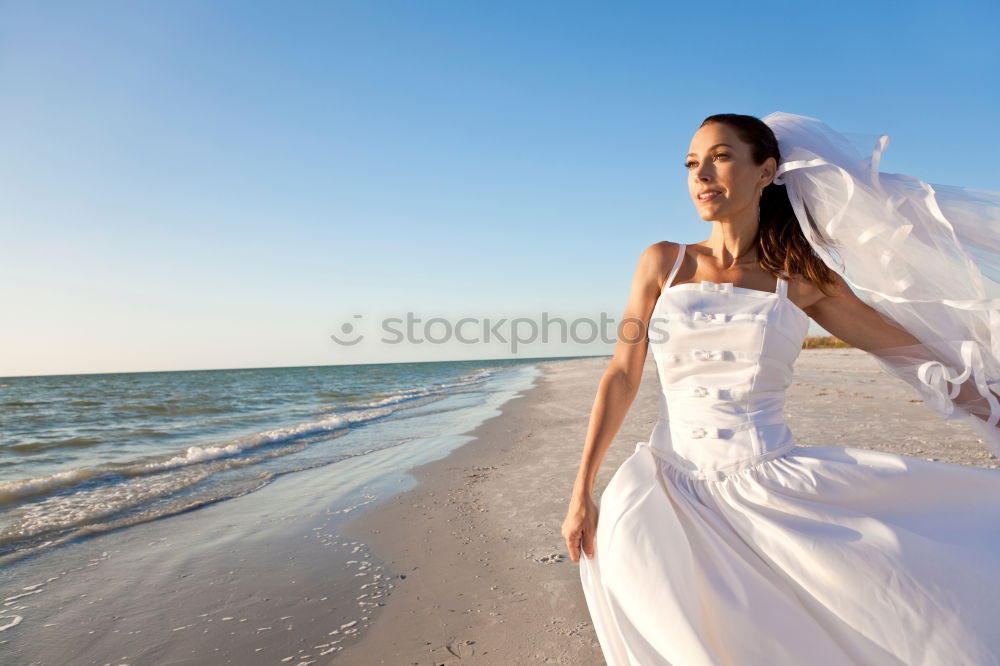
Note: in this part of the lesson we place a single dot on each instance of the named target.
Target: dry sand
(481, 572)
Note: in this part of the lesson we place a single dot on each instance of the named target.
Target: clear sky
(226, 184)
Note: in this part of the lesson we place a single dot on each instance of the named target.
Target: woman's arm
(855, 322)
(620, 382)
(615, 394)
(852, 320)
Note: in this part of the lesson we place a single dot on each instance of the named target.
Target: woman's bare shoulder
(666, 251)
(661, 256)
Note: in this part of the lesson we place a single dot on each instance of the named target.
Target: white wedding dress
(720, 541)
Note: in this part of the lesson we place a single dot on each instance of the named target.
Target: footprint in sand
(554, 558)
(461, 649)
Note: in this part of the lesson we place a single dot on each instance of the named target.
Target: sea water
(84, 454)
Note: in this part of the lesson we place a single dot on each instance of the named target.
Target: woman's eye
(691, 163)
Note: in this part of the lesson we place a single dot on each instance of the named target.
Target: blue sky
(225, 184)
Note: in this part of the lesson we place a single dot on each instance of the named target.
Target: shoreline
(478, 576)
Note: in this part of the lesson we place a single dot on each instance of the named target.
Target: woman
(722, 542)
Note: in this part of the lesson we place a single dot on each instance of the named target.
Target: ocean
(84, 454)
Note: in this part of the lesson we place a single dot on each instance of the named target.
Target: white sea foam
(12, 621)
(13, 491)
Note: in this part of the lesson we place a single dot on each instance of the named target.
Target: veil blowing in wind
(926, 257)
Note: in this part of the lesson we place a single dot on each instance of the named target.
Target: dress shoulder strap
(677, 264)
(782, 288)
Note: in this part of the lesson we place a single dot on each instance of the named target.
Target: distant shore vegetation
(823, 342)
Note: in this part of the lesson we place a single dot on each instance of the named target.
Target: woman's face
(722, 177)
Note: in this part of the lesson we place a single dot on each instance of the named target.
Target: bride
(720, 541)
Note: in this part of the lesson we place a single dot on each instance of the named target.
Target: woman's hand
(580, 526)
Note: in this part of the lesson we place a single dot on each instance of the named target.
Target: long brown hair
(781, 245)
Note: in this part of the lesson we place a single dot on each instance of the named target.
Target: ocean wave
(171, 408)
(26, 403)
(37, 447)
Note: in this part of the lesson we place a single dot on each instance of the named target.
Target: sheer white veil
(926, 257)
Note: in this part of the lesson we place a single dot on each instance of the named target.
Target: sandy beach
(466, 567)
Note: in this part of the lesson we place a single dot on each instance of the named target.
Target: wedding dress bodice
(724, 356)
